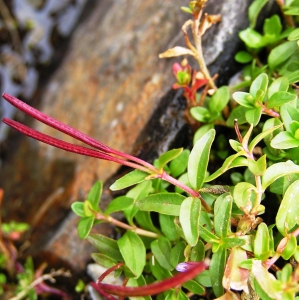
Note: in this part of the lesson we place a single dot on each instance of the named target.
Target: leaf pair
(261, 98)
(86, 210)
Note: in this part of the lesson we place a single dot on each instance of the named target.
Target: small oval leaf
(133, 252)
(129, 179)
(198, 160)
(105, 246)
(222, 211)
(288, 213)
(163, 203)
(161, 249)
(84, 226)
(189, 219)
(278, 170)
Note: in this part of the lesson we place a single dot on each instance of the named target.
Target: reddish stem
(68, 146)
(38, 115)
(153, 288)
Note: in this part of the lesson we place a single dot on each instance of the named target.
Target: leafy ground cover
(186, 234)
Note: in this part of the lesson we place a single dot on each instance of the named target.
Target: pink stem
(70, 130)
(185, 188)
(156, 287)
(67, 146)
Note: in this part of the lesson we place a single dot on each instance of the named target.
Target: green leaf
(94, 195)
(200, 114)
(140, 191)
(232, 161)
(254, 10)
(88, 211)
(244, 99)
(262, 135)
(103, 260)
(161, 249)
(280, 98)
(222, 211)
(140, 281)
(293, 11)
(118, 204)
(281, 53)
(251, 38)
(189, 219)
(144, 219)
(198, 252)
(179, 165)
(207, 235)
(130, 213)
(217, 266)
(258, 167)
(243, 57)
(129, 179)
(259, 292)
(281, 84)
(294, 35)
(105, 246)
(238, 113)
(232, 242)
(133, 252)
(177, 254)
(260, 83)
(280, 185)
(194, 287)
(284, 140)
(262, 242)
(199, 158)
(204, 278)
(201, 131)
(205, 220)
(278, 170)
(293, 77)
(178, 295)
(219, 99)
(253, 115)
(163, 203)
(290, 248)
(288, 213)
(272, 26)
(244, 195)
(78, 208)
(186, 9)
(237, 146)
(286, 273)
(84, 226)
(168, 156)
(167, 227)
(157, 270)
(289, 114)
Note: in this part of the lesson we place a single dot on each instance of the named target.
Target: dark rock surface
(112, 86)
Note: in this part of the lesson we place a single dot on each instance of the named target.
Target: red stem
(68, 146)
(153, 288)
(38, 115)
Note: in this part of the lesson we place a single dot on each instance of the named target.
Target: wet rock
(112, 86)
